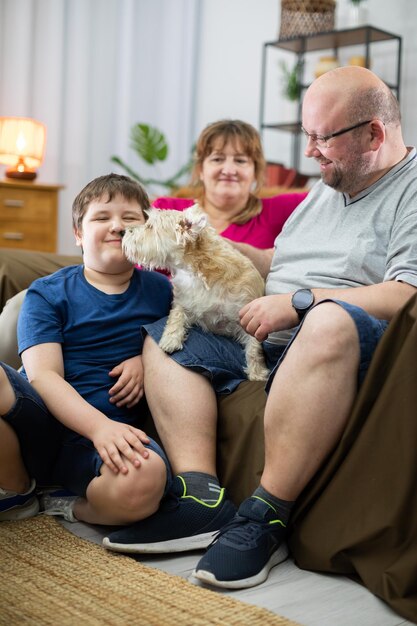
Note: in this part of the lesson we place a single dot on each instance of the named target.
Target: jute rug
(50, 576)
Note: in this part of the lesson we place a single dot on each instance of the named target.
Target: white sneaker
(15, 506)
(55, 503)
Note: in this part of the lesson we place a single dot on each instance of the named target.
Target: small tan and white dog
(211, 280)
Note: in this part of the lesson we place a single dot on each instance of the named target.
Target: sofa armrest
(8, 330)
(19, 268)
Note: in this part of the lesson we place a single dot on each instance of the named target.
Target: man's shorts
(53, 454)
(222, 360)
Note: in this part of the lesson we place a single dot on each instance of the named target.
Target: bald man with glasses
(344, 264)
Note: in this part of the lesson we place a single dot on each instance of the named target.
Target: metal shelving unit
(333, 40)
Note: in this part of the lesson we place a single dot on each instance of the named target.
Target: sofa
(19, 268)
(358, 516)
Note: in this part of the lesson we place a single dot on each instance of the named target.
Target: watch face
(303, 299)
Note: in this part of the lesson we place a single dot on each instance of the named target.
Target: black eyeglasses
(321, 140)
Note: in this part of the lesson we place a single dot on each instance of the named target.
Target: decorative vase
(324, 64)
(358, 59)
(357, 14)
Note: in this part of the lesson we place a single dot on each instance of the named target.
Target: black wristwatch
(302, 300)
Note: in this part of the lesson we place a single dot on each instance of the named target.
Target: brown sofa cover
(358, 516)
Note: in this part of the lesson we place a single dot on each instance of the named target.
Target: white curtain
(90, 69)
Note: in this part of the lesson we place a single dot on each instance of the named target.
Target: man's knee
(328, 333)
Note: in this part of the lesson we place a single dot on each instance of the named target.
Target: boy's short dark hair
(109, 185)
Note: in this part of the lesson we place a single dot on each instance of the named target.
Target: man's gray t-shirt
(334, 241)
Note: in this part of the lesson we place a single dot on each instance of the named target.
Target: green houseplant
(151, 146)
(291, 86)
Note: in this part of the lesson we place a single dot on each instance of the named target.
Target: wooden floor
(308, 598)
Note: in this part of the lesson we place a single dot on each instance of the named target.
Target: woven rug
(50, 576)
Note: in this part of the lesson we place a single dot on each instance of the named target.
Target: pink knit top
(260, 231)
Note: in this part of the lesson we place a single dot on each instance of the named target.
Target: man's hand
(268, 314)
(128, 389)
(114, 440)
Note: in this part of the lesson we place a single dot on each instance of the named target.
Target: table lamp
(22, 144)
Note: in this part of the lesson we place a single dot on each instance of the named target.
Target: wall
(230, 57)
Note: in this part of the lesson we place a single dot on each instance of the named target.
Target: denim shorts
(222, 360)
(53, 454)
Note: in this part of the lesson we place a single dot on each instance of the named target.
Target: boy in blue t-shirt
(70, 417)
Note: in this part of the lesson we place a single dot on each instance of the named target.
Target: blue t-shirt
(97, 331)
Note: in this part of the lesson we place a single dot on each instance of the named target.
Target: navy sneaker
(246, 549)
(18, 506)
(182, 523)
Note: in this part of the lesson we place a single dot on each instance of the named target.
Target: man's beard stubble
(349, 178)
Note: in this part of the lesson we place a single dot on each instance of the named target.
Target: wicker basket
(306, 17)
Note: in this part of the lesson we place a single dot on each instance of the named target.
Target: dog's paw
(170, 343)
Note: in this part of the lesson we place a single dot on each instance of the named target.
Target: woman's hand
(114, 440)
(268, 314)
(128, 389)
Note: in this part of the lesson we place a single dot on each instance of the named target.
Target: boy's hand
(128, 389)
(114, 440)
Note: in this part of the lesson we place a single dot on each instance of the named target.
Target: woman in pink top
(228, 172)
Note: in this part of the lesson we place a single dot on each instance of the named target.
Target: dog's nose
(122, 233)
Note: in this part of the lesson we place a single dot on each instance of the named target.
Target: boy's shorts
(53, 454)
(222, 360)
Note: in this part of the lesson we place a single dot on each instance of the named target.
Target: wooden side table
(28, 215)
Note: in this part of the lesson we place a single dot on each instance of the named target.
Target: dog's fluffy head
(162, 240)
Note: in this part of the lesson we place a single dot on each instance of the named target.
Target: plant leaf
(290, 81)
(149, 143)
(128, 169)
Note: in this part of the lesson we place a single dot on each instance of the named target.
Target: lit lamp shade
(22, 145)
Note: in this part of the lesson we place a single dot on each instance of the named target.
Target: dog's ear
(194, 213)
(197, 217)
(189, 228)
(192, 222)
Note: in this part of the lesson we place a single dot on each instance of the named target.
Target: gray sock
(202, 486)
(282, 507)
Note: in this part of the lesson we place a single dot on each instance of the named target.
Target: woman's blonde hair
(247, 139)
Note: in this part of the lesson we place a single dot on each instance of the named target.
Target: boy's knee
(7, 395)
(8, 325)
(139, 492)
